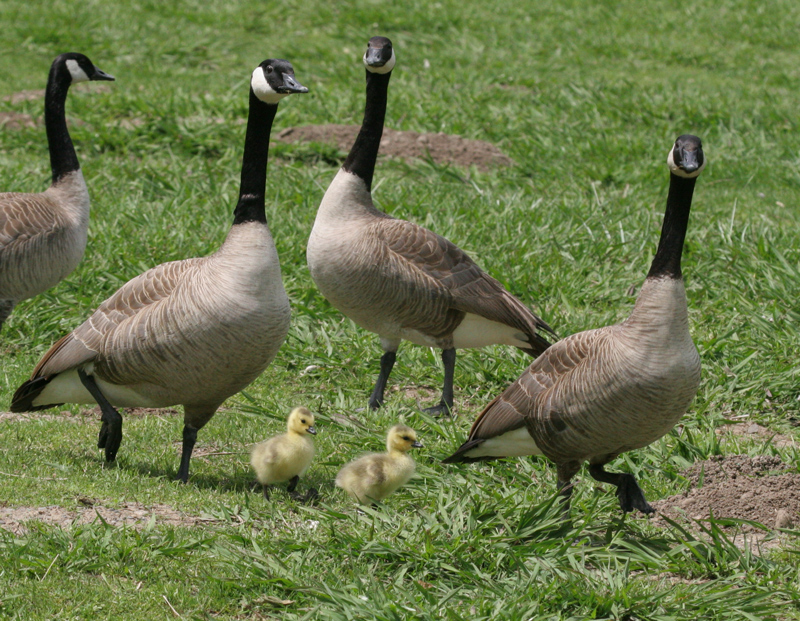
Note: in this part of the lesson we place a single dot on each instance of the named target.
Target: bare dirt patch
(15, 519)
(16, 120)
(756, 432)
(761, 488)
(443, 148)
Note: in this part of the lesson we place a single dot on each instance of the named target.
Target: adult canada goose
(189, 332)
(398, 279)
(43, 236)
(599, 393)
(287, 456)
(373, 477)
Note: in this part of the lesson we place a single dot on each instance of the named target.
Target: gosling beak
(290, 85)
(312, 431)
(417, 444)
(99, 74)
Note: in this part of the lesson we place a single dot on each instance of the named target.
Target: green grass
(586, 97)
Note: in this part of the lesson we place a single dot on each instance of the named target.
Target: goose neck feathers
(362, 157)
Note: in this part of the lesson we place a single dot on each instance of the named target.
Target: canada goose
(599, 393)
(398, 279)
(287, 456)
(189, 332)
(373, 477)
(43, 236)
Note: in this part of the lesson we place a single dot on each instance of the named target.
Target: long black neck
(667, 261)
(250, 207)
(361, 160)
(63, 159)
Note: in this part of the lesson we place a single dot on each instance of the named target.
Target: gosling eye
(303, 420)
(406, 438)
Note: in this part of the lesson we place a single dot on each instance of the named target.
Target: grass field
(587, 98)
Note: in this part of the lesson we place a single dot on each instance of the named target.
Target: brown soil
(134, 514)
(443, 148)
(762, 489)
(16, 120)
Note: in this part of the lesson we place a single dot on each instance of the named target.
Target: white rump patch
(679, 172)
(517, 443)
(262, 89)
(477, 331)
(78, 74)
(385, 69)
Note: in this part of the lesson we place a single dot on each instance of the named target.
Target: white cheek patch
(262, 89)
(679, 172)
(78, 74)
(385, 69)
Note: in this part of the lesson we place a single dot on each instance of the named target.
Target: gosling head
(686, 157)
(78, 68)
(301, 422)
(379, 57)
(402, 438)
(274, 79)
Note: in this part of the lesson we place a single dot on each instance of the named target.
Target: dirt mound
(759, 488)
(443, 148)
(128, 514)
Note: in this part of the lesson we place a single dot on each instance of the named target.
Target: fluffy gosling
(373, 477)
(287, 456)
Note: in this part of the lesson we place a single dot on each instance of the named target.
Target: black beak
(311, 430)
(689, 160)
(374, 57)
(290, 85)
(417, 444)
(99, 74)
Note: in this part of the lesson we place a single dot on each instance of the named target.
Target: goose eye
(269, 69)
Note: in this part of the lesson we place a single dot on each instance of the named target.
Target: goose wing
(521, 401)
(22, 218)
(455, 281)
(133, 299)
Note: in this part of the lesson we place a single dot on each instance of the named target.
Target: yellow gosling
(373, 477)
(287, 456)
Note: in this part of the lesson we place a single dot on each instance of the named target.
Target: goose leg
(445, 406)
(110, 436)
(628, 491)
(189, 439)
(564, 472)
(6, 306)
(387, 363)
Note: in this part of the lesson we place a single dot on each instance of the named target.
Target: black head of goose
(400, 280)
(599, 393)
(190, 332)
(43, 235)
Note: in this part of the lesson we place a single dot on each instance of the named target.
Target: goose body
(43, 235)
(286, 457)
(400, 280)
(602, 392)
(373, 477)
(191, 332)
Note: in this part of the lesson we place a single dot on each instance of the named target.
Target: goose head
(274, 79)
(79, 68)
(379, 57)
(402, 438)
(686, 157)
(301, 422)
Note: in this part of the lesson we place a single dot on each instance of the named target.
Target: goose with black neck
(600, 393)
(191, 332)
(400, 280)
(43, 236)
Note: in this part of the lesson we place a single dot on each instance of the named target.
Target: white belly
(517, 443)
